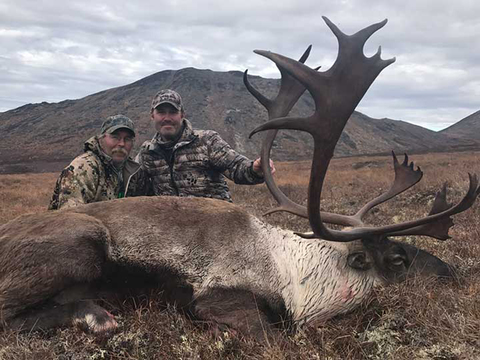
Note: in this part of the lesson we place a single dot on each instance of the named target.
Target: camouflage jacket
(195, 166)
(91, 177)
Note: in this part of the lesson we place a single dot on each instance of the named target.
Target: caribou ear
(359, 260)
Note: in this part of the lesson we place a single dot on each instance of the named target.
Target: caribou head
(336, 93)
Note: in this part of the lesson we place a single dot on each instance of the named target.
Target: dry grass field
(413, 320)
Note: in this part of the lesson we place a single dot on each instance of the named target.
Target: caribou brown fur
(213, 259)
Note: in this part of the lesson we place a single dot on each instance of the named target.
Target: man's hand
(257, 167)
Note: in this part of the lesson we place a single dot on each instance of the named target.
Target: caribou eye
(397, 260)
(359, 261)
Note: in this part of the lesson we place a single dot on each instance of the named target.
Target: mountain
(46, 136)
(373, 136)
(467, 128)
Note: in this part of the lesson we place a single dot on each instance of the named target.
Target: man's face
(167, 120)
(117, 144)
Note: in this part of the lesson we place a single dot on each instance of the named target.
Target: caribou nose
(448, 272)
(427, 264)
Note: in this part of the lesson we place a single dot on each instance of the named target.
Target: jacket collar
(93, 145)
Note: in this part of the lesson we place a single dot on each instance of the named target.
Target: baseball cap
(116, 122)
(167, 96)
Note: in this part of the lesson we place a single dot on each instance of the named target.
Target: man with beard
(104, 171)
(181, 161)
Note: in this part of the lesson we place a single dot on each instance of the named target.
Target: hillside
(46, 136)
(467, 128)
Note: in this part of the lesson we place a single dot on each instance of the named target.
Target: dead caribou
(211, 257)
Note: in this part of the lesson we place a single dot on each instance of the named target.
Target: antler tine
(360, 38)
(405, 178)
(306, 54)
(440, 203)
(438, 229)
(266, 102)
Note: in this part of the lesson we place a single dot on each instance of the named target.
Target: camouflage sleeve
(76, 185)
(234, 166)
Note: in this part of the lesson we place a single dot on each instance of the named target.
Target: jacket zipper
(170, 166)
(128, 181)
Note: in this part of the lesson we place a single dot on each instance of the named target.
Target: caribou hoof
(96, 321)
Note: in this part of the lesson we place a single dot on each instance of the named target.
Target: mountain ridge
(51, 133)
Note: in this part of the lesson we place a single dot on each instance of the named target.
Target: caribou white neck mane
(314, 279)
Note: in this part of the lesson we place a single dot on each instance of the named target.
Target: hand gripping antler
(336, 93)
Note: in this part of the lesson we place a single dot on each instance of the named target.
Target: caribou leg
(89, 316)
(40, 267)
(231, 309)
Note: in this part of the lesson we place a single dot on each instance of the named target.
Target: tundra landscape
(417, 319)
(247, 289)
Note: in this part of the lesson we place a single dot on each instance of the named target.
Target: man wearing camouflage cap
(104, 171)
(181, 161)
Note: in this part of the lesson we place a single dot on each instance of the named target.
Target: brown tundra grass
(413, 320)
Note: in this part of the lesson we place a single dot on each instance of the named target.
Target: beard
(173, 135)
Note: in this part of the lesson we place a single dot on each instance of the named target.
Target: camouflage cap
(116, 122)
(167, 96)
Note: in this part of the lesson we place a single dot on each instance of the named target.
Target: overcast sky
(57, 50)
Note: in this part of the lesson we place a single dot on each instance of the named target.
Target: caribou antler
(336, 93)
(289, 93)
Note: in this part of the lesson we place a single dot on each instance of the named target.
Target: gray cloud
(54, 50)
